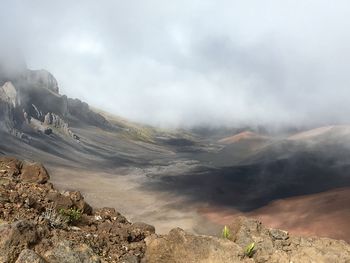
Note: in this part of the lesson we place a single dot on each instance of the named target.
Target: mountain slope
(171, 174)
(38, 223)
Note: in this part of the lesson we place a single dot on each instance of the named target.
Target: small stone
(279, 234)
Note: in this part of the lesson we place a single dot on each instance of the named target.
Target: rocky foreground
(41, 224)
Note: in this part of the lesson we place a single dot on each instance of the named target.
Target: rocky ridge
(34, 227)
(30, 103)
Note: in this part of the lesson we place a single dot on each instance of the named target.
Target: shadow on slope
(248, 187)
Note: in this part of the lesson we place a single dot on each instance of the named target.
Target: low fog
(188, 63)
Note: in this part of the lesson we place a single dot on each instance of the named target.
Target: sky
(194, 62)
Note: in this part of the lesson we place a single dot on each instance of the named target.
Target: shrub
(55, 220)
(73, 215)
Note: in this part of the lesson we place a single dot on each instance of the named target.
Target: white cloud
(193, 62)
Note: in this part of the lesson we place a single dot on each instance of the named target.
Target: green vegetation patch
(72, 215)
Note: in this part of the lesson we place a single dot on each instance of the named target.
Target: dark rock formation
(82, 111)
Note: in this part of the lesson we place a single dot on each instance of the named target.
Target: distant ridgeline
(30, 103)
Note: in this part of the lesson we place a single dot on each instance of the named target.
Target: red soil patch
(324, 214)
(241, 136)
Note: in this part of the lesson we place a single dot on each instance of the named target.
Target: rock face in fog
(81, 110)
(8, 94)
(30, 103)
(43, 79)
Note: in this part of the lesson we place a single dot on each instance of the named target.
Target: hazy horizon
(190, 63)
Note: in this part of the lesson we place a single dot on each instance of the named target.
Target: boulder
(244, 231)
(69, 200)
(322, 250)
(29, 256)
(275, 245)
(139, 231)
(9, 166)
(34, 173)
(14, 238)
(66, 252)
(181, 247)
(59, 200)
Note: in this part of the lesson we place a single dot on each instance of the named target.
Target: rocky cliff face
(38, 223)
(8, 102)
(42, 79)
(30, 103)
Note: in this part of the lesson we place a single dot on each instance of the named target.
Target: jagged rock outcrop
(9, 101)
(274, 245)
(55, 121)
(8, 94)
(270, 245)
(23, 109)
(34, 225)
(30, 103)
(6, 111)
(24, 171)
(179, 246)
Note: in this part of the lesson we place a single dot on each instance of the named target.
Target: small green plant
(249, 250)
(73, 215)
(226, 232)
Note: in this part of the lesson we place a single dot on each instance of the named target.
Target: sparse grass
(249, 250)
(73, 215)
(56, 220)
(225, 232)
